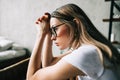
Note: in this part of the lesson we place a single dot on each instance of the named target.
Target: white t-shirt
(86, 59)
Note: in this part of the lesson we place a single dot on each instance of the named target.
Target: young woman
(90, 56)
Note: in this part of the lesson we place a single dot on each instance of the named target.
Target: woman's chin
(61, 48)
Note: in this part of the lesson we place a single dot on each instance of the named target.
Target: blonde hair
(82, 31)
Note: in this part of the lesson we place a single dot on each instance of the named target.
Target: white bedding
(9, 54)
(9, 49)
(5, 44)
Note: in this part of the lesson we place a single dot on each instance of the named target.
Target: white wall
(17, 17)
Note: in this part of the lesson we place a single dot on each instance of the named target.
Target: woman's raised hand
(43, 23)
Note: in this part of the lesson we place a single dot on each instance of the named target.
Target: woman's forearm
(47, 55)
(35, 60)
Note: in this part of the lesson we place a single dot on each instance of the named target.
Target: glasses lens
(53, 31)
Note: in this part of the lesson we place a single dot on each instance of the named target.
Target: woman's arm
(59, 71)
(47, 55)
(35, 60)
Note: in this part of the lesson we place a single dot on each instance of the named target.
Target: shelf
(114, 20)
(111, 0)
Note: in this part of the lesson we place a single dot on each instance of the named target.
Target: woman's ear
(76, 21)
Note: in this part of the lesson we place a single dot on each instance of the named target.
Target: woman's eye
(55, 28)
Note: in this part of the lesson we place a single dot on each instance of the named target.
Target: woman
(90, 56)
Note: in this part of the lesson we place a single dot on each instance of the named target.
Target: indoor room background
(17, 18)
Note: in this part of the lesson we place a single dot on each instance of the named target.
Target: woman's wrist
(48, 34)
(41, 34)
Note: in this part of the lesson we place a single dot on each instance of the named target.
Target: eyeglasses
(54, 28)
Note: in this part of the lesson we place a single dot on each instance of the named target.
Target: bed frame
(16, 71)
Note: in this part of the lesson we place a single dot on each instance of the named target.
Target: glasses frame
(53, 29)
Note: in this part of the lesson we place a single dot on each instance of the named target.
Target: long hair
(85, 32)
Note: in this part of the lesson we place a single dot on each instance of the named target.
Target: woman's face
(60, 33)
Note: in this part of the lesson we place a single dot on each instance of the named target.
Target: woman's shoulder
(87, 59)
(86, 48)
(85, 51)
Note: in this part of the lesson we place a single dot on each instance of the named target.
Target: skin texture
(63, 38)
(42, 64)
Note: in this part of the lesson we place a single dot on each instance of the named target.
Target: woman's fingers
(48, 15)
(39, 20)
(43, 23)
(45, 17)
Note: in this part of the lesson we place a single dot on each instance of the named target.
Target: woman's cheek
(63, 32)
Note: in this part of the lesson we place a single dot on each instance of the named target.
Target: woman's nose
(53, 37)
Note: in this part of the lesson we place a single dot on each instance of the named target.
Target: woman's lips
(56, 44)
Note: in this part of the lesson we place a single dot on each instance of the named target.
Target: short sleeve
(86, 59)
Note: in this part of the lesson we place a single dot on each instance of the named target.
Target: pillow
(5, 44)
(16, 46)
(10, 54)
